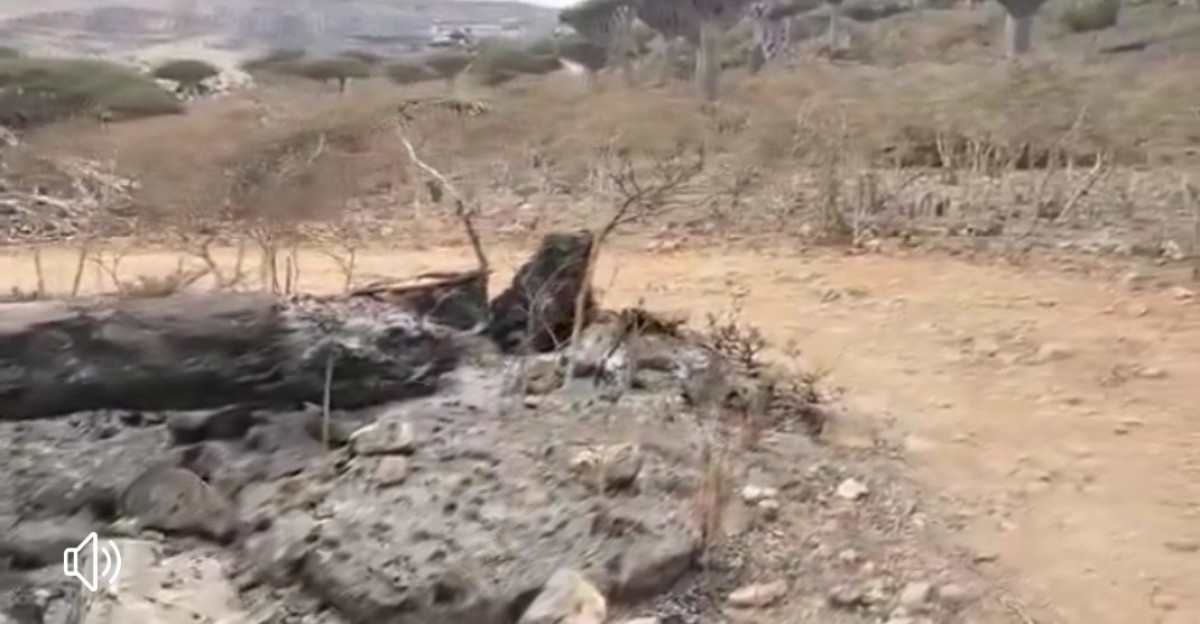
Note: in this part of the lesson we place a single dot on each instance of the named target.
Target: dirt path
(1018, 392)
(1009, 386)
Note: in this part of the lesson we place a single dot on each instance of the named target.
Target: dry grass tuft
(712, 496)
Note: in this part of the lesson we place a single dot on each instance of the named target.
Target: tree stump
(536, 312)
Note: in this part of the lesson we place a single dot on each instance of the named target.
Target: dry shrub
(734, 340)
(776, 132)
(292, 168)
(931, 36)
(713, 493)
(147, 286)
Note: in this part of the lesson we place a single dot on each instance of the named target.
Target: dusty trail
(1087, 489)
(1016, 391)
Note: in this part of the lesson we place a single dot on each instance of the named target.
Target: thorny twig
(1087, 185)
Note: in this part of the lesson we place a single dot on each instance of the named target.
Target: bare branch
(639, 199)
(460, 205)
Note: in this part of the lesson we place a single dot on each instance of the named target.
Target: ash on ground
(666, 482)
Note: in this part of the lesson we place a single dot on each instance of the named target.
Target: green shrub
(188, 73)
(642, 36)
(1090, 15)
(447, 64)
(408, 72)
(578, 49)
(366, 56)
(738, 47)
(501, 61)
(143, 100)
(38, 91)
(546, 46)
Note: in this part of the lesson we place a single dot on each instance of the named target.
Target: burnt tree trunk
(537, 311)
(195, 351)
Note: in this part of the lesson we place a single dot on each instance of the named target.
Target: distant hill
(125, 28)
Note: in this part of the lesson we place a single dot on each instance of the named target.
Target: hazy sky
(551, 3)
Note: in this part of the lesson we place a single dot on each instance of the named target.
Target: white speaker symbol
(112, 562)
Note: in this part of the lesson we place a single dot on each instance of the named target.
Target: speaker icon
(92, 551)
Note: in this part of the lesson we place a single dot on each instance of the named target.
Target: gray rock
(754, 494)
(955, 595)
(340, 427)
(41, 542)
(759, 594)
(398, 596)
(230, 423)
(276, 555)
(481, 522)
(221, 466)
(621, 466)
(846, 597)
(542, 375)
(915, 595)
(193, 580)
(650, 566)
(567, 598)
(852, 489)
(175, 500)
(383, 438)
(391, 470)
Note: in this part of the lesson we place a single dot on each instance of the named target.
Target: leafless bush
(729, 336)
(146, 285)
(639, 196)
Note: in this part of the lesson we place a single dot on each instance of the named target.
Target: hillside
(133, 27)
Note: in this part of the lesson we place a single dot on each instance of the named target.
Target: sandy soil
(1055, 411)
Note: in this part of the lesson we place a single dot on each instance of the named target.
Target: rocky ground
(667, 484)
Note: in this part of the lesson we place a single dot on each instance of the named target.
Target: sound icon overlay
(90, 551)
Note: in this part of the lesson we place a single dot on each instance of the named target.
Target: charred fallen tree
(192, 351)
